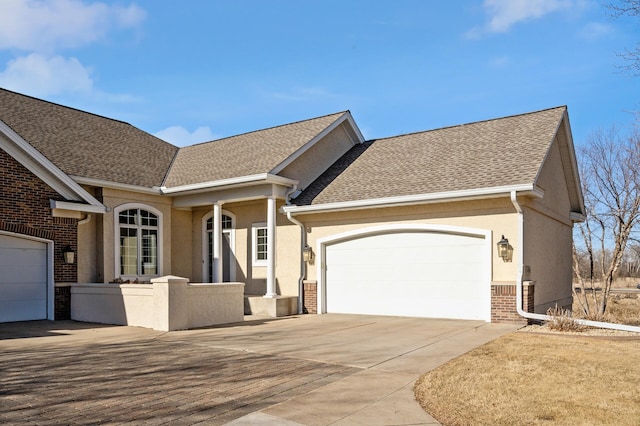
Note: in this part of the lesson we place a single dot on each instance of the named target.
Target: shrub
(561, 320)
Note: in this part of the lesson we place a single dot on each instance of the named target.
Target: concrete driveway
(309, 370)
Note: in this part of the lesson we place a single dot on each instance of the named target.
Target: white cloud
(180, 136)
(594, 31)
(39, 75)
(503, 14)
(49, 25)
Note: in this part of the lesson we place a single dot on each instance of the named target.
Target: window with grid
(138, 229)
(260, 241)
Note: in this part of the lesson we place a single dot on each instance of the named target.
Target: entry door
(23, 279)
(228, 257)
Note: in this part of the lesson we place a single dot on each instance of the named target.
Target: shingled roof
(494, 153)
(247, 154)
(87, 145)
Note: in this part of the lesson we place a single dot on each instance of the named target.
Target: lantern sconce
(307, 254)
(69, 255)
(505, 251)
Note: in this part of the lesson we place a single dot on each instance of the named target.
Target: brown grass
(529, 379)
(622, 308)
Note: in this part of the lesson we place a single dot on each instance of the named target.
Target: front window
(260, 240)
(138, 230)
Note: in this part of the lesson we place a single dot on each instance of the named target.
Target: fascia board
(577, 217)
(346, 117)
(78, 207)
(40, 166)
(116, 185)
(232, 182)
(574, 163)
(418, 199)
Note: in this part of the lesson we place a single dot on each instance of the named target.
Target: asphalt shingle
(246, 154)
(493, 153)
(85, 144)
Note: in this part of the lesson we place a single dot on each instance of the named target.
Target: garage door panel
(23, 279)
(409, 274)
(23, 274)
(23, 310)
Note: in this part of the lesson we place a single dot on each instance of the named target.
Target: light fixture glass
(69, 255)
(307, 254)
(504, 249)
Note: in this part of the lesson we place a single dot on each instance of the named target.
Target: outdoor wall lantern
(307, 254)
(505, 251)
(69, 255)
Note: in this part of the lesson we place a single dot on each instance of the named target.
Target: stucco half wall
(169, 303)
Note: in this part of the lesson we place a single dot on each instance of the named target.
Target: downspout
(519, 291)
(303, 244)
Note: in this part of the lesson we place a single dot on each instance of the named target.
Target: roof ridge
(71, 108)
(267, 128)
(469, 123)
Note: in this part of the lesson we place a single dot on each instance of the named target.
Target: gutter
(543, 317)
(303, 244)
(407, 200)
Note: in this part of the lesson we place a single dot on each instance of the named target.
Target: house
(309, 213)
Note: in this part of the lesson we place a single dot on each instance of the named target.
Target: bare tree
(610, 171)
(628, 8)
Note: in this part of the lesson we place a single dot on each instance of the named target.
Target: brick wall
(310, 300)
(503, 302)
(62, 305)
(25, 209)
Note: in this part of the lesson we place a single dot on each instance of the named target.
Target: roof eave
(234, 182)
(44, 169)
(101, 183)
(406, 200)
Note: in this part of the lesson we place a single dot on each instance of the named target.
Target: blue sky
(198, 70)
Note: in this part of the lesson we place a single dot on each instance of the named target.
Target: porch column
(271, 248)
(217, 242)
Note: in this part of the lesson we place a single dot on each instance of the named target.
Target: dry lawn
(621, 308)
(528, 379)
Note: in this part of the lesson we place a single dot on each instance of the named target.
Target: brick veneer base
(310, 292)
(62, 305)
(503, 302)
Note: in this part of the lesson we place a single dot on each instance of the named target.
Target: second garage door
(419, 274)
(23, 279)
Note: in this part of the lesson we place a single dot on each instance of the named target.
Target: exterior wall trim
(236, 181)
(50, 282)
(495, 192)
(322, 243)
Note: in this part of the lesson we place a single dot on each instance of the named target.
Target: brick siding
(310, 291)
(503, 302)
(25, 209)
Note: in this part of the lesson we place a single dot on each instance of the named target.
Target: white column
(217, 243)
(271, 248)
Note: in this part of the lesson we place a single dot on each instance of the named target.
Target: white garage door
(418, 274)
(23, 279)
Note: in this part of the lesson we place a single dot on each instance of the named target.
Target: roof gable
(248, 154)
(500, 153)
(87, 145)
